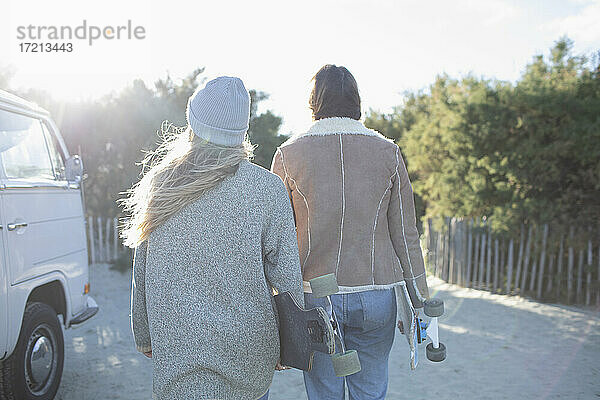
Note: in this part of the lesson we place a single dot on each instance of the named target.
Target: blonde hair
(181, 169)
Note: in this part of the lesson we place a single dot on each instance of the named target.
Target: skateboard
(346, 362)
(416, 330)
(435, 350)
(302, 332)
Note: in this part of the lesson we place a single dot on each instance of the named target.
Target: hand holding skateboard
(435, 350)
(279, 367)
(302, 332)
(347, 362)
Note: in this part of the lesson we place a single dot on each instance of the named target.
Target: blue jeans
(367, 323)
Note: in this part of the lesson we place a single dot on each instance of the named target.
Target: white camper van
(43, 250)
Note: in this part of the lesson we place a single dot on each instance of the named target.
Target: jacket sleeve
(405, 237)
(280, 247)
(278, 168)
(139, 314)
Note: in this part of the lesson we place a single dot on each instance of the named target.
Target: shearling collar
(337, 126)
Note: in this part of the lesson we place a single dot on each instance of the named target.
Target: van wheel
(34, 369)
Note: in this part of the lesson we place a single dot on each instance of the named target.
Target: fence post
(589, 272)
(441, 241)
(510, 265)
(458, 251)
(107, 244)
(122, 246)
(520, 257)
(533, 272)
(428, 252)
(100, 240)
(598, 278)
(502, 272)
(542, 261)
(444, 255)
(435, 252)
(476, 259)
(526, 261)
(440, 251)
(450, 273)
(489, 258)
(535, 261)
(439, 257)
(550, 270)
(91, 236)
(570, 266)
(559, 265)
(496, 266)
(579, 293)
(461, 251)
(115, 238)
(469, 252)
(482, 256)
(457, 243)
(463, 263)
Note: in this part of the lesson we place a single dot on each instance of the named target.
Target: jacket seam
(417, 277)
(401, 269)
(375, 228)
(364, 288)
(305, 203)
(412, 275)
(343, 207)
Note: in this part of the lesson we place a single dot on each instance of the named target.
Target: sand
(499, 347)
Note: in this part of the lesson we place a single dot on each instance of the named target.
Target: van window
(55, 154)
(23, 147)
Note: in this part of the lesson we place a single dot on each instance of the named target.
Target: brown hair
(335, 94)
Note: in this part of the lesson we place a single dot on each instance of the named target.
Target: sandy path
(498, 348)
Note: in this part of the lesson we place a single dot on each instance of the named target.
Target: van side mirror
(74, 169)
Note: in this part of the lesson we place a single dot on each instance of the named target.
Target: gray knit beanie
(220, 111)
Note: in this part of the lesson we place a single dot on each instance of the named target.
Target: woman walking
(213, 235)
(355, 217)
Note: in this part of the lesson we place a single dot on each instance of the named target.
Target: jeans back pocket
(378, 308)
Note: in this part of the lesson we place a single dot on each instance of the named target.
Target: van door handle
(15, 225)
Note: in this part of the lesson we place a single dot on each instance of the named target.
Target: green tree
(390, 125)
(528, 151)
(264, 131)
(112, 133)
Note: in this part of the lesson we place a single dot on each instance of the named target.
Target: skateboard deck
(407, 315)
(416, 330)
(302, 332)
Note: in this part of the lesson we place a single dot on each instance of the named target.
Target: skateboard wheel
(345, 364)
(436, 355)
(434, 307)
(324, 285)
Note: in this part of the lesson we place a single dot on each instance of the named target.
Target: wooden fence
(543, 262)
(104, 244)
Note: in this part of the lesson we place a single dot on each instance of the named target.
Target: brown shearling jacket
(354, 208)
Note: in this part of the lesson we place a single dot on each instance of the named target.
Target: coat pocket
(378, 307)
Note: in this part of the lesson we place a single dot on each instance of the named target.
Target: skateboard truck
(347, 362)
(435, 350)
(421, 331)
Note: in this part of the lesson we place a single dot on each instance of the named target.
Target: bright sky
(390, 46)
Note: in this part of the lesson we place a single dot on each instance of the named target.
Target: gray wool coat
(201, 294)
